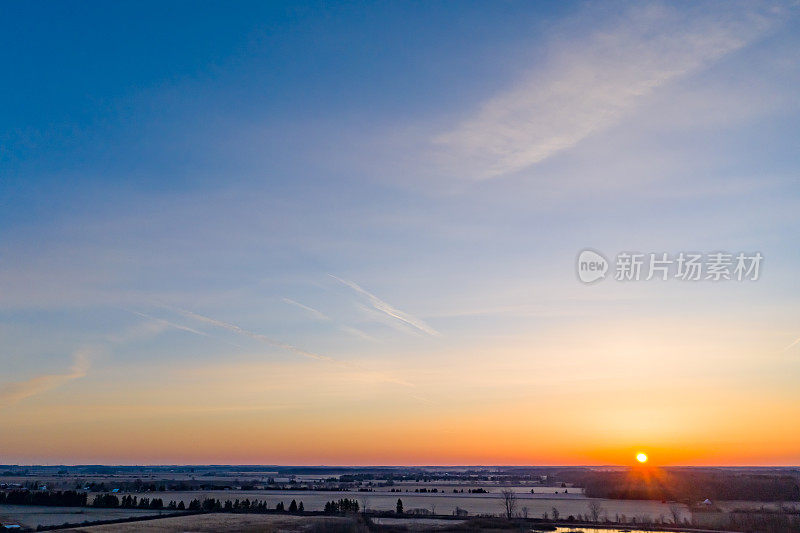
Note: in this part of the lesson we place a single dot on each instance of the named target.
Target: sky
(346, 233)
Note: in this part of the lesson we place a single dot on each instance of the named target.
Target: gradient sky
(346, 233)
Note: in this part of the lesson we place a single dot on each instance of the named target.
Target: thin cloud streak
(792, 345)
(180, 327)
(357, 333)
(388, 309)
(283, 345)
(257, 336)
(319, 315)
(169, 324)
(588, 87)
(15, 392)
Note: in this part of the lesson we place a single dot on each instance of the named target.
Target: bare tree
(364, 504)
(594, 510)
(509, 503)
(675, 511)
(556, 514)
(525, 512)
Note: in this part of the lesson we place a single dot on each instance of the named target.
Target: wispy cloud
(167, 323)
(792, 344)
(388, 309)
(319, 315)
(15, 392)
(588, 84)
(288, 347)
(257, 336)
(313, 312)
(162, 324)
(355, 332)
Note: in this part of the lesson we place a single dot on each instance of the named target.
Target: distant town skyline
(340, 234)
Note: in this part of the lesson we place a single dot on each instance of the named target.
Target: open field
(433, 524)
(441, 503)
(219, 522)
(32, 516)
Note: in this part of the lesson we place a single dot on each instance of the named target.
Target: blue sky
(394, 194)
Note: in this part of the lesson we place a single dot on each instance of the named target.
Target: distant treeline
(690, 486)
(67, 498)
(71, 498)
(207, 504)
(331, 474)
(345, 505)
(185, 486)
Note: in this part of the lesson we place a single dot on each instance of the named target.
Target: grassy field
(218, 522)
(31, 516)
(442, 502)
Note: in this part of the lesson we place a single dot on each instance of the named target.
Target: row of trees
(243, 506)
(345, 505)
(192, 485)
(207, 504)
(67, 498)
(132, 502)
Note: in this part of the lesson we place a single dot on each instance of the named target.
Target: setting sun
(642, 458)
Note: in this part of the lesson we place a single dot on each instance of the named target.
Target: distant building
(460, 512)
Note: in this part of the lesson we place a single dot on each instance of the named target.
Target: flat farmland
(219, 522)
(32, 516)
(440, 502)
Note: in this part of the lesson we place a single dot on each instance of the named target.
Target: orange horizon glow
(463, 409)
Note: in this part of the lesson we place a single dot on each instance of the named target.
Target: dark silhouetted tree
(509, 503)
(594, 510)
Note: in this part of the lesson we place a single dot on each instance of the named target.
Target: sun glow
(642, 458)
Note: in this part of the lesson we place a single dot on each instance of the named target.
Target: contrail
(168, 323)
(388, 309)
(796, 341)
(181, 327)
(14, 392)
(257, 336)
(279, 344)
(313, 312)
(319, 315)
